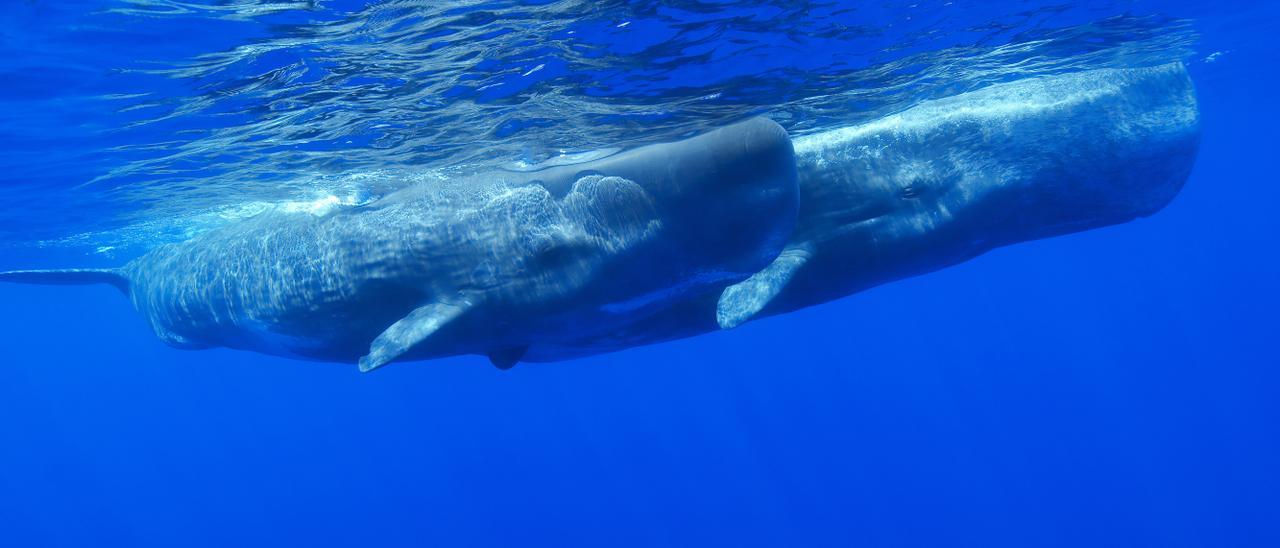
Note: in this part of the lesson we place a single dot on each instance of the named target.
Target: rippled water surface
(128, 123)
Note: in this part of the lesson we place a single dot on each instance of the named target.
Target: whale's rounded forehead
(563, 159)
(740, 154)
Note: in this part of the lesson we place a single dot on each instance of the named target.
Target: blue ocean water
(1109, 388)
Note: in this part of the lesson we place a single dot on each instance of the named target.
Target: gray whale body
(491, 264)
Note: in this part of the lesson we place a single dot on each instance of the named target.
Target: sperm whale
(949, 179)
(492, 264)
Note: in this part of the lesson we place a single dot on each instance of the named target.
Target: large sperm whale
(490, 265)
(949, 179)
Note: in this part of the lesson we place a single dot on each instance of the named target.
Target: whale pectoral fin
(739, 302)
(506, 358)
(409, 331)
(69, 276)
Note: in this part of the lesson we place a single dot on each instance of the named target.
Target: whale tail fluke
(69, 276)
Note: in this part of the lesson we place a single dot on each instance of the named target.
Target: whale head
(1010, 162)
(1121, 147)
(679, 217)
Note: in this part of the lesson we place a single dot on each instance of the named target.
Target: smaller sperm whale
(492, 264)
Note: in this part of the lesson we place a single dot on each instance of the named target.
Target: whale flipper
(409, 331)
(740, 301)
(69, 276)
(507, 358)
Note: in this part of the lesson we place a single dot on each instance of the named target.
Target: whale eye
(555, 256)
(912, 190)
(562, 252)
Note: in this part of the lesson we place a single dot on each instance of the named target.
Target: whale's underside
(675, 239)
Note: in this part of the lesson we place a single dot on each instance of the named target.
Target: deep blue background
(1111, 388)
